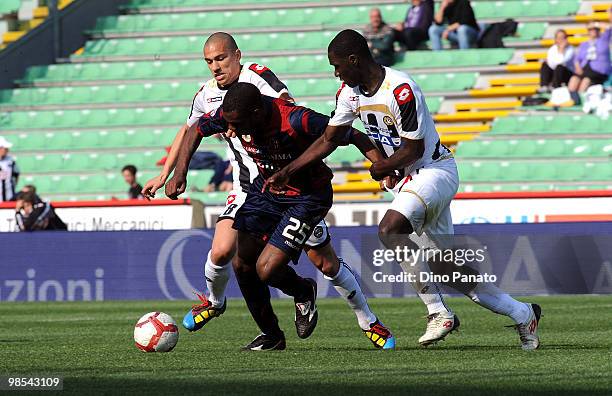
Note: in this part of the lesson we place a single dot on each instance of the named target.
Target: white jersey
(396, 110)
(210, 97)
(9, 172)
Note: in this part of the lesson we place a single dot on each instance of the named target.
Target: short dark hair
(223, 37)
(242, 97)
(130, 168)
(27, 196)
(30, 187)
(349, 42)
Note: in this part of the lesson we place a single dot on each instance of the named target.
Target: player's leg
(321, 253)
(394, 232)
(217, 267)
(273, 269)
(256, 294)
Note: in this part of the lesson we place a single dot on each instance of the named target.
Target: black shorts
(285, 222)
(595, 77)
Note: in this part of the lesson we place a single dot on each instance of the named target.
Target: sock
(347, 286)
(217, 277)
(494, 299)
(428, 292)
(289, 282)
(257, 297)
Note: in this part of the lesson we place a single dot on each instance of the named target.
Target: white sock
(494, 299)
(347, 286)
(217, 277)
(428, 292)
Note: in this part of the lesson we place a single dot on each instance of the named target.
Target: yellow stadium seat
(356, 187)
(598, 16)
(495, 82)
(603, 7)
(9, 37)
(573, 40)
(40, 12)
(524, 67)
(504, 91)
(358, 176)
(576, 31)
(534, 56)
(471, 116)
(454, 138)
(368, 196)
(506, 104)
(470, 128)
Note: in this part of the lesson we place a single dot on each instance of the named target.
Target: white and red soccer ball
(156, 332)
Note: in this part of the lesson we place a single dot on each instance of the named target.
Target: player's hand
(388, 182)
(150, 187)
(277, 183)
(176, 186)
(377, 171)
(445, 34)
(230, 133)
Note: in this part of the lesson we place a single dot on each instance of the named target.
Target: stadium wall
(526, 259)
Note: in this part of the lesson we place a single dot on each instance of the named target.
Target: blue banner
(96, 266)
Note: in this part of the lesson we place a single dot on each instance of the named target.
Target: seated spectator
(592, 62)
(380, 37)
(129, 175)
(222, 179)
(32, 214)
(557, 69)
(413, 31)
(9, 172)
(460, 28)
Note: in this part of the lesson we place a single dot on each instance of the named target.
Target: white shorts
(235, 199)
(424, 197)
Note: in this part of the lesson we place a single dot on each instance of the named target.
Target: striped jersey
(9, 173)
(396, 110)
(210, 97)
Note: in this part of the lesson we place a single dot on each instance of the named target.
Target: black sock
(257, 297)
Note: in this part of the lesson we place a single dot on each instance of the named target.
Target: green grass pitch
(91, 345)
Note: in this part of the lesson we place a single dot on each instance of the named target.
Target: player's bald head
(349, 42)
(222, 39)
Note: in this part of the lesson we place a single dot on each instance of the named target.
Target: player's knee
(241, 267)
(325, 261)
(222, 255)
(265, 268)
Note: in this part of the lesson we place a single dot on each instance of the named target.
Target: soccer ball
(156, 332)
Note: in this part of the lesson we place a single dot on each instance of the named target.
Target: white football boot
(528, 331)
(439, 325)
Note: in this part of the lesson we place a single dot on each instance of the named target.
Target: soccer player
(273, 228)
(223, 59)
(395, 115)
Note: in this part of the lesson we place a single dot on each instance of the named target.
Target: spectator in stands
(32, 214)
(129, 175)
(413, 31)
(454, 21)
(222, 179)
(557, 69)
(380, 37)
(9, 172)
(592, 62)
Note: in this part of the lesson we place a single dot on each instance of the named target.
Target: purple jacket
(597, 53)
(420, 17)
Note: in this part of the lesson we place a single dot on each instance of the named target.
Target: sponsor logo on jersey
(230, 199)
(318, 232)
(246, 138)
(388, 120)
(403, 94)
(354, 98)
(215, 99)
(383, 135)
(259, 69)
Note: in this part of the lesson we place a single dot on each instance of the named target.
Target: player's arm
(409, 152)
(207, 125)
(405, 106)
(157, 182)
(190, 143)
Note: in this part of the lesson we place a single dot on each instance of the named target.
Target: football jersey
(396, 110)
(288, 132)
(9, 172)
(210, 97)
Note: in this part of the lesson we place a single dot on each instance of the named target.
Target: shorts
(286, 222)
(595, 77)
(424, 197)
